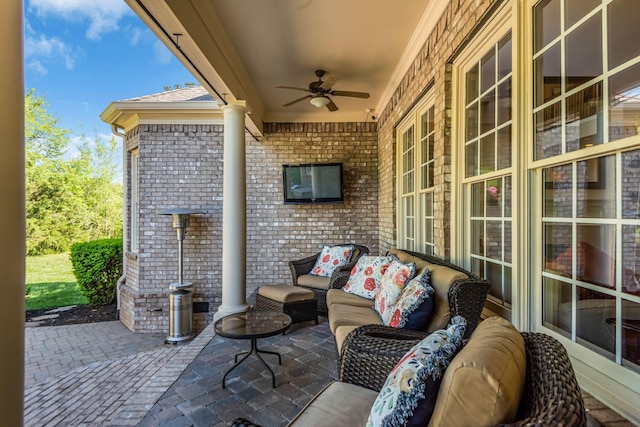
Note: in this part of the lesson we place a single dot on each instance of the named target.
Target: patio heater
(181, 293)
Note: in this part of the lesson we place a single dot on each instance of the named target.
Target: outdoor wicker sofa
(301, 268)
(458, 292)
(550, 395)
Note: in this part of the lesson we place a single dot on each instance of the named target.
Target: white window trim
(134, 202)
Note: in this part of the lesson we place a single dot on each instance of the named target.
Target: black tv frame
(292, 200)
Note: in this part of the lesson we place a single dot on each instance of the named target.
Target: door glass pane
(624, 103)
(595, 321)
(504, 147)
(584, 118)
(631, 259)
(622, 28)
(557, 305)
(574, 10)
(596, 197)
(546, 22)
(583, 53)
(548, 128)
(547, 73)
(558, 195)
(631, 184)
(595, 254)
(557, 248)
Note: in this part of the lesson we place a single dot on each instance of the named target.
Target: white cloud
(36, 48)
(37, 66)
(103, 15)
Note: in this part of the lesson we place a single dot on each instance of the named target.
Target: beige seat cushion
(315, 282)
(338, 296)
(341, 334)
(348, 315)
(339, 404)
(483, 384)
(286, 293)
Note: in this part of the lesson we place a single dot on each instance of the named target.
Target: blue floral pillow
(410, 391)
(414, 307)
(330, 258)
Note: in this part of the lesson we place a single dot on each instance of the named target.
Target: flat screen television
(313, 183)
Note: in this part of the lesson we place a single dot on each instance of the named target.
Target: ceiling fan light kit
(319, 91)
(319, 101)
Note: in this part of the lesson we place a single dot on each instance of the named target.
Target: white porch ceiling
(243, 48)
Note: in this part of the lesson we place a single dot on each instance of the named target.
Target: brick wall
(182, 166)
(432, 64)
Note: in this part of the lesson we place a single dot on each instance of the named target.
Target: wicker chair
(551, 395)
(303, 266)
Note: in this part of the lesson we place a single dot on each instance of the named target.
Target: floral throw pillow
(330, 258)
(415, 305)
(393, 282)
(409, 394)
(366, 276)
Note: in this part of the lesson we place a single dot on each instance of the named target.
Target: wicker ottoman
(297, 302)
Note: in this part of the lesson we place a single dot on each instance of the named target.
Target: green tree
(68, 199)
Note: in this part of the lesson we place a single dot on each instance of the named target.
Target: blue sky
(81, 55)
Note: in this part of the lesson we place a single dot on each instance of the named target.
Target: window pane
(488, 112)
(596, 195)
(494, 198)
(477, 237)
(494, 240)
(488, 71)
(631, 184)
(558, 197)
(507, 285)
(504, 147)
(504, 56)
(504, 102)
(487, 153)
(548, 128)
(494, 275)
(631, 259)
(557, 306)
(506, 196)
(507, 242)
(631, 333)
(477, 199)
(574, 10)
(547, 75)
(472, 84)
(557, 248)
(584, 118)
(622, 28)
(624, 103)
(583, 60)
(546, 22)
(471, 121)
(471, 157)
(595, 254)
(593, 309)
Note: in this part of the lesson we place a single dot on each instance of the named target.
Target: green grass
(51, 283)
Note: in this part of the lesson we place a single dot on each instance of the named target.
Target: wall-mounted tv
(313, 183)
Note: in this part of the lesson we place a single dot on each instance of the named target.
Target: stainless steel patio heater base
(180, 313)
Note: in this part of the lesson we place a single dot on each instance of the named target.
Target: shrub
(97, 266)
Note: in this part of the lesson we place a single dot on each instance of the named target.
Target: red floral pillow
(392, 284)
(366, 275)
(331, 258)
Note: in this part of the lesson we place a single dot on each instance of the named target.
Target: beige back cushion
(441, 279)
(483, 384)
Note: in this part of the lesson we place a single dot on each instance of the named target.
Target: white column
(234, 212)
(12, 222)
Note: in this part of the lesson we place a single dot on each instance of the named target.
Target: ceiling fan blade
(296, 100)
(328, 82)
(292, 87)
(364, 95)
(331, 106)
